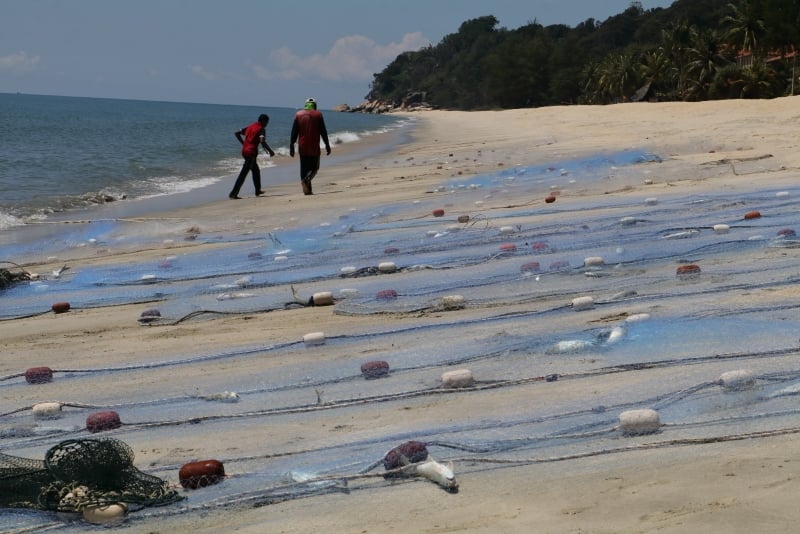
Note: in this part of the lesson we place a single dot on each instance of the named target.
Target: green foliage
(685, 52)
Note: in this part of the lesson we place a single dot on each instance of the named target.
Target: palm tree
(706, 56)
(745, 26)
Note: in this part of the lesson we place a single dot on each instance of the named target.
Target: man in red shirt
(307, 129)
(251, 137)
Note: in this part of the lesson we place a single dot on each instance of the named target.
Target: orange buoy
(752, 215)
(60, 307)
(386, 294)
(375, 369)
(438, 212)
(201, 474)
(530, 267)
(38, 375)
(102, 421)
(550, 199)
(688, 270)
(508, 247)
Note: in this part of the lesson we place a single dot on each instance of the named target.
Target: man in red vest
(250, 137)
(307, 129)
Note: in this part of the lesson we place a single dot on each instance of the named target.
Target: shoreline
(737, 482)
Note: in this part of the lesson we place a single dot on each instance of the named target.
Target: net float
(529, 267)
(559, 265)
(322, 298)
(200, 474)
(102, 421)
(386, 294)
(508, 247)
(407, 453)
(550, 199)
(582, 303)
(452, 302)
(47, 410)
(391, 250)
(786, 232)
(593, 261)
(463, 218)
(460, 378)
(105, 513)
(540, 246)
(752, 215)
(314, 338)
(38, 375)
(149, 315)
(721, 228)
(387, 267)
(688, 270)
(651, 201)
(375, 369)
(639, 422)
(255, 256)
(738, 379)
(505, 230)
(439, 212)
(60, 307)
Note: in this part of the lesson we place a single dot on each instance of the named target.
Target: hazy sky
(253, 52)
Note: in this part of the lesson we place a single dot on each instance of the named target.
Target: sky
(248, 52)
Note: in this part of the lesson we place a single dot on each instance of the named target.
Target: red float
(559, 265)
(102, 421)
(688, 270)
(386, 294)
(787, 232)
(530, 267)
(550, 199)
(508, 247)
(391, 250)
(38, 375)
(375, 369)
(752, 215)
(540, 246)
(438, 212)
(463, 218)
(408, 453)
(201, 474)
(60, 307)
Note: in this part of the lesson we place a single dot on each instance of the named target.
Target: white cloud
(20, 62)
(202, 72)
(351, 58)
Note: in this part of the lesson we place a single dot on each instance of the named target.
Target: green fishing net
(79, 473)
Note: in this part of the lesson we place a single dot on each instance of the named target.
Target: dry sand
(740, 486)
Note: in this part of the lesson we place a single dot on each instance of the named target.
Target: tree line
(693, 50)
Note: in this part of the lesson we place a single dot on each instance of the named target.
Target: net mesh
(79, 473)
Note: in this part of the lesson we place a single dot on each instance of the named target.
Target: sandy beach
(744, 484)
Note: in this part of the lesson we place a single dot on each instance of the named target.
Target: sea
(61, 155)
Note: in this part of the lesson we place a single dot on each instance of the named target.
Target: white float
(638, 422)
(582, 303)
(322, 298)
(721, 228)
(387, 267)
(314, 338)
(460, 378)
(453, 302)
(47, 410)
(738, 379)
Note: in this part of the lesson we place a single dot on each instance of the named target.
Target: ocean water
(61, 154)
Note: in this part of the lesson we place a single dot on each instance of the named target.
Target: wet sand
(725, 486)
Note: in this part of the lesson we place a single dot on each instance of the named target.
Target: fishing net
(9, 278)
(79, 473)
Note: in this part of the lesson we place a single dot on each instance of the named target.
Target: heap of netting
(77, 474)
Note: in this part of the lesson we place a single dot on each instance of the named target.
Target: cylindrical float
(460, 378)
(47, 410)
(508, 247)
(322, 298)
(638, 422)
(386, 294)
(505, 230)
(102, 421)
(559, 265)
(721, 228)
(550, 199)
(738, 379)
(350, 269)
(463, 218)
(387, 267)
(540, 246)
(452, 302)
(786, 232)
(593, 261)
(688, 270)
(104, 514)
(201, 473)
(438, 212)
(407, 453)
(314, 338)
(375, 369)
(60, 307)
(391, 250)
(529, 267)
(752, 215)
(150, 315)
(582, 303)
(637, 317)
(627, 221)
(38, 375)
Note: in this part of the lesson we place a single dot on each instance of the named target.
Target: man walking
(307, 129)
(250, 137)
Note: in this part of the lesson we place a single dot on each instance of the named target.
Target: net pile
(79, 473)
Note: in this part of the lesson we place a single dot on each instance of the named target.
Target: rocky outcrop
(411, 102)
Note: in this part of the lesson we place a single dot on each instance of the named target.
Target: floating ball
(375, 369)
(736, 380)
(60, 307)
(38, 375)
(752, 215)
(386, 294)
(201, 474)
(638, 422)
(102, 421)
(460, 378)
